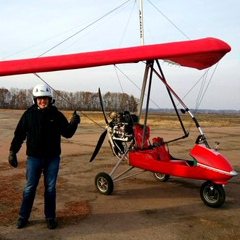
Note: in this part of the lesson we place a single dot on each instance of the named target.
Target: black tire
(104, 183)
(213, 195)
(161, 177)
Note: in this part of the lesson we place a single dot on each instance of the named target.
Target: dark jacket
(42, 129)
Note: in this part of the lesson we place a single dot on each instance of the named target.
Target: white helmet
(42, 90)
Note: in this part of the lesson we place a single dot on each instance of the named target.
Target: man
(42, 125)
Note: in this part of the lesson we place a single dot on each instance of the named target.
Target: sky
(55, 27)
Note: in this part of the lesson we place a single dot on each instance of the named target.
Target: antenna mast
(141, 21)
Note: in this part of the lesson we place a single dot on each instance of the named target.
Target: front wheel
(213, 195)
(161, 177)
(104, 183)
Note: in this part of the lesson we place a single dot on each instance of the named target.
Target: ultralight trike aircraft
(130, 141)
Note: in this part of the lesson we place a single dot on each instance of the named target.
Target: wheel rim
(102, 184)
(160, 176)
(211, 194)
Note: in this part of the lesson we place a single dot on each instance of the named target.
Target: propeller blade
(99, 144)
(102, 106)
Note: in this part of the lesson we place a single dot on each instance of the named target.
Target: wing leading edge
(199, 54)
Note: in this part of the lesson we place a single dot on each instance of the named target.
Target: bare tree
(5, 97)
(88, 101)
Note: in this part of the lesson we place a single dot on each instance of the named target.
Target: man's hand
(75, 118)
(12, 159)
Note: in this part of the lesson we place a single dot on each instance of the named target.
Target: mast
(139, 112)
(141, 21)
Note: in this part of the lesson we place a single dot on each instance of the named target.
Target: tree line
(15, 98)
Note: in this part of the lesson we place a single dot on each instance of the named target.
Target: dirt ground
(139, 207)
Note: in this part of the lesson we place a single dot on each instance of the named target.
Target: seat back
(141, 139)
(161, 149)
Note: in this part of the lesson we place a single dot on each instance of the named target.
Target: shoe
(21, 223)
(52, 223)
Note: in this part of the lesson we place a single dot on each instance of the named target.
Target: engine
(122, 125)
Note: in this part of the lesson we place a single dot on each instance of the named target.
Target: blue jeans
(35, 167)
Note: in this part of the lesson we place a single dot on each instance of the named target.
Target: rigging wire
(105, 15)
(83, 35)
(89, 25)
(65, 99)
(118, 78)
(136, 85)
(34, 45)
(201, 90)
(115, 67)
(127, 24)
(204, 92)
(200, 79)
(168, 19)
(81, 30)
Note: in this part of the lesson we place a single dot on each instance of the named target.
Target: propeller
(102, 105)
(103, 135)
(99, 144)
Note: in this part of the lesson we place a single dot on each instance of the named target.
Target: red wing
(199, 54)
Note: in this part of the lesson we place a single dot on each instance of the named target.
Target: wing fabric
(199, 54)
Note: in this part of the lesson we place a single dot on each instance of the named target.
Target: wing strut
(139, 113)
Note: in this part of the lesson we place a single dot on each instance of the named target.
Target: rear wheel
(213, 195)
(161, 177)
(104, 183)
